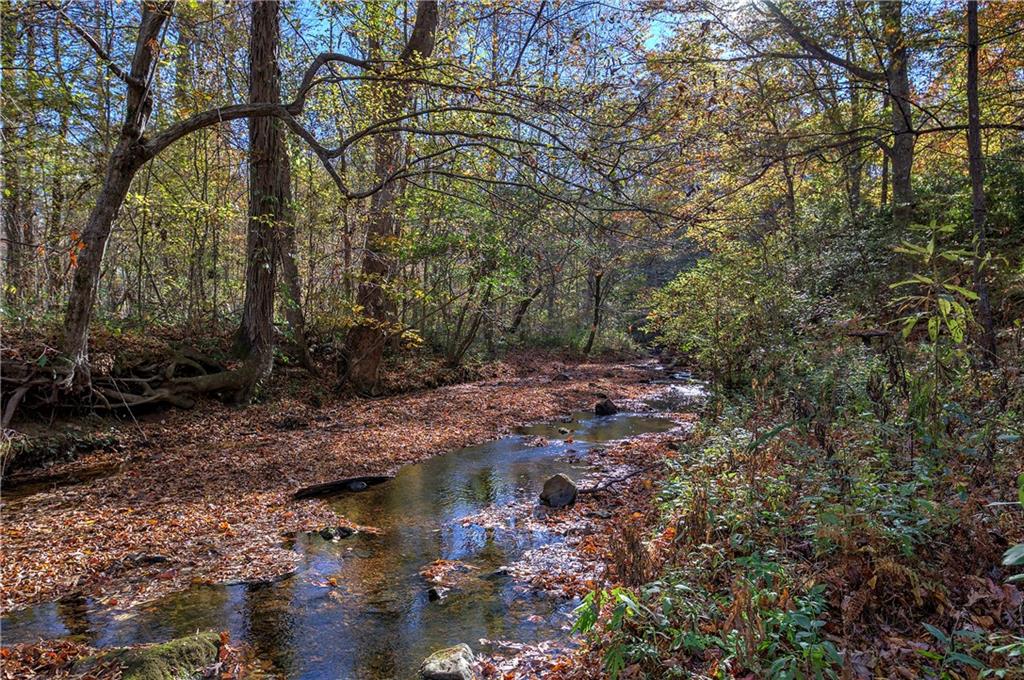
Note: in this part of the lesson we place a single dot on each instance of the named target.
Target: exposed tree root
(175, 382)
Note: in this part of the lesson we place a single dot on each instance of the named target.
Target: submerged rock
(452, 663)
(605, 407)
(559, 491)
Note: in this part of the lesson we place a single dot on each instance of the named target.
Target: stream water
(379, 620)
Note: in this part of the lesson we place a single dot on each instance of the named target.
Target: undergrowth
(849, 518)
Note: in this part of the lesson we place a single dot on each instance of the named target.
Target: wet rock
(559, 491)
(499, 573)
(453, 663)
(333, 533)
(605, 407)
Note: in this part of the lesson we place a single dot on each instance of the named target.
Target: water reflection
(377, 621)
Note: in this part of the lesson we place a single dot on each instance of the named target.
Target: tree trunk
(128, 156)
(898, 77)
(977, 172)
(521, 309)
(268, 185)
(364, 347)
(597, 313)
(292, 293)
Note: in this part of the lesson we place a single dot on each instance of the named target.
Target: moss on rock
(178, 659)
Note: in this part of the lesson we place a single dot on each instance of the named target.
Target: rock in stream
(452, 663)
(559, 491)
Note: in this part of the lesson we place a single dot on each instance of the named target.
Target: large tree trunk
(898, 77)
(977, 172)
(364, 347)
(269, 186)
(128, 156)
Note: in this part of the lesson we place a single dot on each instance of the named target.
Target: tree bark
(364, 346)
(978, 208)
(285, 244)
(898, 80)
(269, 193)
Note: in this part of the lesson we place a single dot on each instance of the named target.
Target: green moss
(178, 659)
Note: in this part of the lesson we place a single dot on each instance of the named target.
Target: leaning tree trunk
(898, 80)
(977, 171)
(521, 309)
(596, 321)
(128, 156)
(364, 346)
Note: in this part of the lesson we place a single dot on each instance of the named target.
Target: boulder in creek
(605, 407)
(559, 491)
(452, 663)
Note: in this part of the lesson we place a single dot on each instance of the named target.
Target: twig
(615, 480)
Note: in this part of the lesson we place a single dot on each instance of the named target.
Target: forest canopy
(473, 176)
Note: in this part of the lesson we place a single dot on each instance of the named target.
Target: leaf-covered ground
(204, 495)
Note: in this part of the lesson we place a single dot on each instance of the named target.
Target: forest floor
(204, 496)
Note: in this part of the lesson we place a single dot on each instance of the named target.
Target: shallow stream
(358, 607)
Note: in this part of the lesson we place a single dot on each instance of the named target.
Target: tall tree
(894, 74)
(134, 149)
(269, 194)
(13, 196)
(976, 164)
(364, 347)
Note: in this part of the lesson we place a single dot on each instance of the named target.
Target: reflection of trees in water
(181, 614)
(270, 623)
(73, 612)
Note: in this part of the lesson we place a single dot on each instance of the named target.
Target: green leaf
(969, 294)
(908, 326)
(936, 633)
(1014, 556)
(966, 660)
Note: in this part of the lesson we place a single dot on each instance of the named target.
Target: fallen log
(347, 484)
